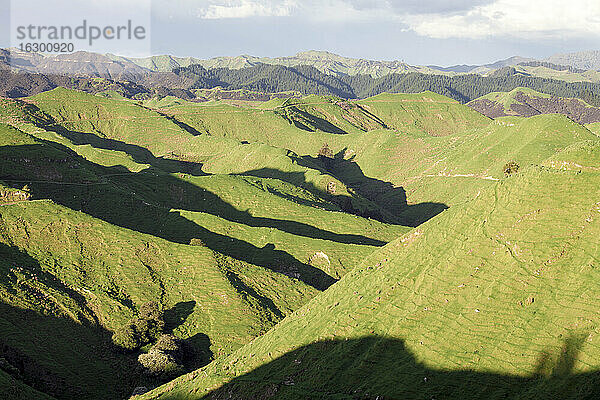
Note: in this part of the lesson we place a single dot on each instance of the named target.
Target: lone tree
(143, 329)
(325, 152)
(510, 168)
(165, 358)
(326, 155)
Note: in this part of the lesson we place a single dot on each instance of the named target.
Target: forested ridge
(308, 80)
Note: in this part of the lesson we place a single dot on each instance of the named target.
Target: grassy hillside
(565, 75)
(507, 99)
(408, 168)
(86, 243)
(511, 277)
(595, 128)
(246, 219)
(526, 102)
(139, 137)
(84, 277)
(363, 135)
(426, 112)
(305, 124)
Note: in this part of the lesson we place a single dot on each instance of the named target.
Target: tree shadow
(309, 122)
(383, 368)
(388, 203)
(385, 194)
(560, 365)
(145, 201)
(345, 203)
(198, 353)
(176, 315)
(319, 201)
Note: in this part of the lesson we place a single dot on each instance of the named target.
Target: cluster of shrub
(510, 168)
(166, 356)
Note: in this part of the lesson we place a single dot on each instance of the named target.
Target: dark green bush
(161, 364)
(510, 168)
(325, 152)
(165, 358)
(145, 328)
(127, 337)
(169, 343)
(151, 311)
(197, 242)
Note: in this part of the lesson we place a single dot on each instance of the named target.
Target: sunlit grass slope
(492, 299)
(507, 99)
(427, 113)
(84, 245)
(115, 132)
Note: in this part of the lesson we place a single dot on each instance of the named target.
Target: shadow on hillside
(197, 347)
(13, 257)
(374, 117)
(383, 368)
(56, 355)
(176, 316)
(139, 154)
(144, 202)
(62, 358)
(345, 203)
(198, 352)
(144, 156)
(385, 194)
(309, 122)
(188, 128)
(388, 202)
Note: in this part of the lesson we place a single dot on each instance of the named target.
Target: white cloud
(431, 18)
(434, 6)
(517, 18)
(247, 8)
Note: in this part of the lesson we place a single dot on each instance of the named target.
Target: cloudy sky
(439, 32)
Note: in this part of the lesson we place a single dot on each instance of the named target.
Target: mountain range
(118, 67)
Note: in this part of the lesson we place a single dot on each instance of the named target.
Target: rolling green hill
(105, 224)
(129, 128)
(511, 277)
(309, 247)
(526, 102)
(507, 99)
(86, 277)
(433, 152)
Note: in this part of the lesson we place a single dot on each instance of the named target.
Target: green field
(511, 277)
(293, 274)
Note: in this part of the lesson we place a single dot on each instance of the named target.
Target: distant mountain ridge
(312, 72)
(587, 60)
(324, 61)
(477, 69)
(130, 68)
(78, 63)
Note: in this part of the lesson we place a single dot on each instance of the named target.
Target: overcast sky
(439, 32)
